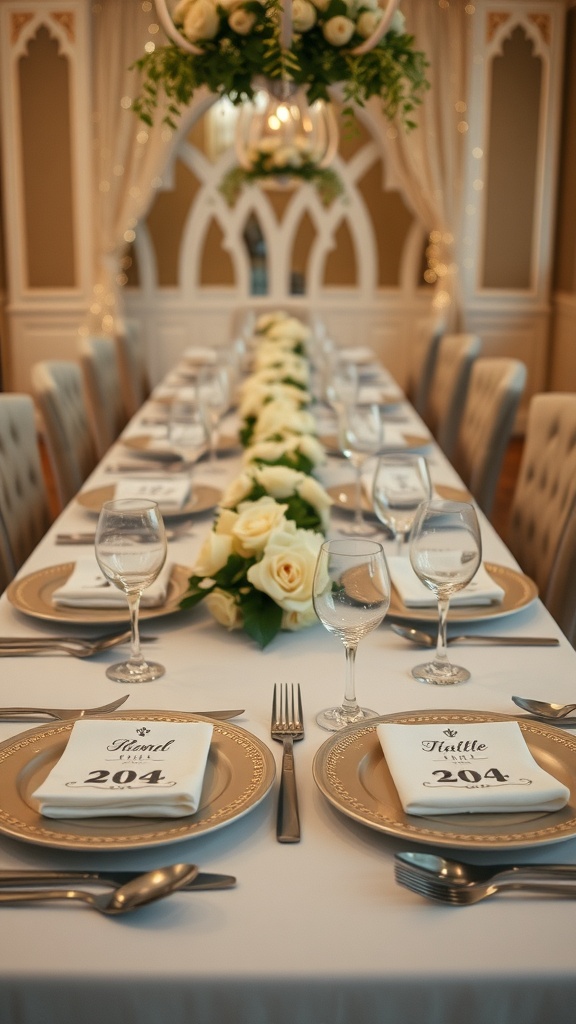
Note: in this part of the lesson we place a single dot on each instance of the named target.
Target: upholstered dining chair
(102, 391)
(449, 387)
(134, 382)
(494, 393)
(542, 527)
(423, 355)
(24, 509)
(58, 389)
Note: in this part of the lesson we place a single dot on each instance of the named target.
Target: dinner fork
(287, 726)
(441, 891)
(78, 648)
(63, 714)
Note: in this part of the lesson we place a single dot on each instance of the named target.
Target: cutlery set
(77, 647)
(459, 884)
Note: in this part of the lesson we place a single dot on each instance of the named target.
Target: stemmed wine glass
(342, 384)
(131, 550)
(360, 436)
(187, 429)
(351, 594)
(445, 552)
(401, 482)
(214, 398)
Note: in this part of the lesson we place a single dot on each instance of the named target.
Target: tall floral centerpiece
(256, 566)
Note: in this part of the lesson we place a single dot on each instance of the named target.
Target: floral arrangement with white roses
(272, 158)
(256, 566)
(240, 43)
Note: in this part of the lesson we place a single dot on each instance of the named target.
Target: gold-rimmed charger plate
(351, 771)
(411, 443)
(151, 447)
(202, 499)
(32, 594)
(519, 592)
(344, 497)
(239, 773)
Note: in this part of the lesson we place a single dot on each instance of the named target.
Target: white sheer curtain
(426, 165)
(129, 157)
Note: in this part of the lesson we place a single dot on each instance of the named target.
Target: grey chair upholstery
(542, 532)
(449, 387)
(423, 357)
(58, 390)
(102, 391)
(24, 511)
(134, 382)
(494, 393)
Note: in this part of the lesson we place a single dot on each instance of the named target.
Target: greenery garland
(327, 182)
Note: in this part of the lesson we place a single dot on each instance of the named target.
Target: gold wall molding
(544, 25)
(67, 22)
(494, 20)
(19, 21)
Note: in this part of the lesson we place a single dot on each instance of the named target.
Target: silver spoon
(143, 889)
(543, 708)
(419, 636)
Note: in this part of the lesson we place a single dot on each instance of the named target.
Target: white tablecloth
(314, 933)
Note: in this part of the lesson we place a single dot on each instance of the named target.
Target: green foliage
(326, 181)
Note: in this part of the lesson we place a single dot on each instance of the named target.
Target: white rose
(279, 481)
(299, 620)
(225, 521)
(286, 570)
(311, 448)
(291, 327)
(181, 10)
(338, 31)
(223, 608)
(303, 15)
(314, 494)
(367, 23)
(398, 24)
(201, 21)
(282, 421)
(265, 320)
(320, 5)
(241, 21)
(213, 554)
(268, 451)
(255, 523)
(237, 490)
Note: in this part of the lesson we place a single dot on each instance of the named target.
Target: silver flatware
(141, 890)
(81, 537)
(64, 714)
(542, 709)
(76, 647)
(287, 726)
(204, 880)
(419, 636)
(461, 884)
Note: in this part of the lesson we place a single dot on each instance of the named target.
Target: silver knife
(558, 723)
(203, 880)
(7, 714)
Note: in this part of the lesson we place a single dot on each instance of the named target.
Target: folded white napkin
(414, 594)
(456, 769)
(87, 587)
(115, 767)
(170, 495)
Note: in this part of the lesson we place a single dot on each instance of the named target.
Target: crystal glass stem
(441, 645)
(136, 658)
(350, 703)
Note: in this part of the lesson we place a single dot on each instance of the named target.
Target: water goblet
(130, 549)
(214, 399)
(360, 436)
(401, 482)
(445, 552)
(351, 595)
(342, 384)
(187, 429)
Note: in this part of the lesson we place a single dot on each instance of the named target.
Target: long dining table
(316, 932)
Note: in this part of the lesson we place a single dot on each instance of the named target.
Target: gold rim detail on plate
(519, 592)
(203, 499)
(32, 594)
(411, 443)
(344, 497)
(351, 771)
(239, 773)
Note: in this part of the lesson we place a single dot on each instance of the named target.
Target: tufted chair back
(449, 387)
(134, 381)
(541, 527)
(423, 355)
(561, 589)
(102, 391)
(57, 387)
(24, 513)
(494, 393)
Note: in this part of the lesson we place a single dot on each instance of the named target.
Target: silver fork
(76, 647)
(442, 891)
(63, 714)
(287, 726)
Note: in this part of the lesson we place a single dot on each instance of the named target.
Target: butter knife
(7, 714)
(203, 880)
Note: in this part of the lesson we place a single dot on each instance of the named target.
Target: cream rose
(367, 23)
(282, 419)
(181, 10)
(299, 620)
(201, 21)
(398, 24)
(338, 31)
(213, 554)
(255, 523)
(312, 492)
(223, 608)
(237, 490)
(242, 21)
(286, 570)
(266, 320)
(303, 15)
(279, 481)
(291, 327)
